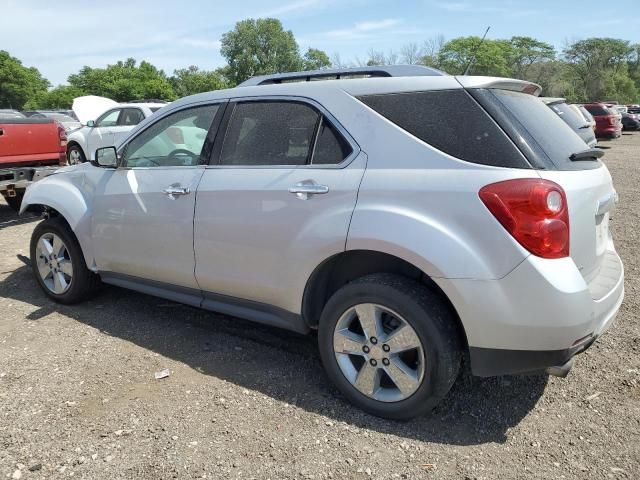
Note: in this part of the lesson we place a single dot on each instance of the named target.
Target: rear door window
(451, 121)
(331, 147)
(130, 117)
(269, 133)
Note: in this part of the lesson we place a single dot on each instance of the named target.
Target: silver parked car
(413, 218)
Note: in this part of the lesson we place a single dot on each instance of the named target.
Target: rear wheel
(14, 202)
(390, 345)
(58, 263)
(75, 155)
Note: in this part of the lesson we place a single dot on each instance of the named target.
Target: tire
(430, 319)
(75, 155)
(82, 283)
(15, 202)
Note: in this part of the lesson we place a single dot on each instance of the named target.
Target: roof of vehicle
(342, 73)
(141, 104)
(363, 86)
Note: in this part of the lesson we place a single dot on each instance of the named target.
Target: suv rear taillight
(534, 212)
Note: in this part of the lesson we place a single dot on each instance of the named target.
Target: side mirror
(106, 157)
(91, 123)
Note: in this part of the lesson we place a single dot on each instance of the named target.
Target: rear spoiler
(500, 84)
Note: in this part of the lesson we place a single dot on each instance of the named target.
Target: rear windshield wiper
(590, 154)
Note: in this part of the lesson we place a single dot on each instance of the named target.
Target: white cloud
(363, 29)
(292, 7)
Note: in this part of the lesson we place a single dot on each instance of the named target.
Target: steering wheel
(182, 151)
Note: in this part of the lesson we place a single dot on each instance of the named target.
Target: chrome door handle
(175, 190)
(302, 190)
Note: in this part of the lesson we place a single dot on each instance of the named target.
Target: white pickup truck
(106, 122)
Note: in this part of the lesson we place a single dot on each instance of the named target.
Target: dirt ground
(78, 395)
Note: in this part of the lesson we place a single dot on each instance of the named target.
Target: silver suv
(413, 218)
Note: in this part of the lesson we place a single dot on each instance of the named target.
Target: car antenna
(475, 51)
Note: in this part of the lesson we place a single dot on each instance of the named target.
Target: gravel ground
(78, 395)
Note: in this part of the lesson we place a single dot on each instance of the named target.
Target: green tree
(490, 57)
(124, 81)
(260, 47)
(192, 80)
(527, 51)
(18, 83)
(595, 62)
(59, 97)
(315, 59)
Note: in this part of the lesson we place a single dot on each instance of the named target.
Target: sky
(60, 37)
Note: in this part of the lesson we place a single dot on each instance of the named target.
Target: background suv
(406, 215)
(608, 122)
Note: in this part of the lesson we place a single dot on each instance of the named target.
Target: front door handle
(175, 190)
(303, 189)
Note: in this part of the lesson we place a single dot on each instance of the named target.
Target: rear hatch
(560, 155)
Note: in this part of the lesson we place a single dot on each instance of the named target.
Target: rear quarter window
(547, 139)
(451, 121)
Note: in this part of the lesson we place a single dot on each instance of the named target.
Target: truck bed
(30, 142)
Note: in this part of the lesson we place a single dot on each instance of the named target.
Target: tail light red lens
(62, 135)
(534, 212)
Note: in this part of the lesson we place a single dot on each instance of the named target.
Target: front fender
(57, 192)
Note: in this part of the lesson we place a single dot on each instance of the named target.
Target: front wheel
(58, 263)
(390, 345)
(75, 155)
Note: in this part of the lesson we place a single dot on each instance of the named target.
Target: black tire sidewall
(426, 314)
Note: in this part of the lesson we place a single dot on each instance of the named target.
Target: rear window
(570, 116)
(597, 110)
(548, 140)
(154, 109)
(451, 121)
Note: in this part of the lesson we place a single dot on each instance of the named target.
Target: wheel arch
(75, 143)
(52, 198)
(342, 268)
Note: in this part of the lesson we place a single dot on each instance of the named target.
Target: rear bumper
(20, 178)
(609, 132)
(540, 315)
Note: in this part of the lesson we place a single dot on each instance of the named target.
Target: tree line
(585, 70)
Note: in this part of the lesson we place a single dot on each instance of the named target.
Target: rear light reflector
(534, 212)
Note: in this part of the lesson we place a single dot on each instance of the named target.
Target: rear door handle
(303, 189)
(175, 190)
(1, 131)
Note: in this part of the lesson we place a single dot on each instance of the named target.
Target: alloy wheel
(379, 352)
(74, 157)
(54, 263)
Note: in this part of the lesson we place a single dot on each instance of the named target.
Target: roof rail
(339, 73)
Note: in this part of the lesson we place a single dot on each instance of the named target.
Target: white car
(106, 122)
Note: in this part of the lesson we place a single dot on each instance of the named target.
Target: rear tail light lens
(62, 135)
(534, 212)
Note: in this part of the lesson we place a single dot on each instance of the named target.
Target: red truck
(30, 148)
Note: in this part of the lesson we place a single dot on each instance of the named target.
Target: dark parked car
(608, 122)
(630, 121)
(573, 118)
